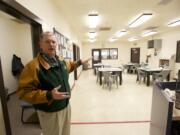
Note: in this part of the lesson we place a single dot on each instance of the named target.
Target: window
(96, 55)
(109, 53)
(105, 53)
(113, 53)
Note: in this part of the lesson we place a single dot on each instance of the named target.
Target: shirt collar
(48, 62)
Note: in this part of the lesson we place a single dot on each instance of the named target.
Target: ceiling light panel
(112, 39)
(121, 33)
(93, 20)
(132, 39)
(149, 33)
(91, 40)
(140, 20)
(92, 34)
(174, 23)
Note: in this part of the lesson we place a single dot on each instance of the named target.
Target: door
(3, 104)
(135, 55)
(178, 52)
(96, 55)
(75, 55)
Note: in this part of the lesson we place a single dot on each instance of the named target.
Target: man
(44, 83)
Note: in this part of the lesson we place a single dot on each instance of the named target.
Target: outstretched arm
(86, 60)
(71, 65)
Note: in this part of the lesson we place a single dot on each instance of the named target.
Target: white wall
(169, 43)
(123, 51)
(51, 16)
(2, 127)
(15, 39)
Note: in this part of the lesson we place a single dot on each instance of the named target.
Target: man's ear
(40, 46)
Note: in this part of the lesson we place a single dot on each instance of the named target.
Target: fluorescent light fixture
(93, 20)
(132, 39)
(140, 20)
(91, 40)
(121, 33)
(174, 23)
(92, 34)
(112, 39)
(149, 33)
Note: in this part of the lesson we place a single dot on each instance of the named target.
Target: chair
(161, 76)
(109, 79)
(141, 75)
(124, 67)
(25, 106)
(133, 68)
(115, 78)
(98, 75)
(143, 64)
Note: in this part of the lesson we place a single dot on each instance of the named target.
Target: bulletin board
(65, 46)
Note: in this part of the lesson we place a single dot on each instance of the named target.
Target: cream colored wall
(51, 16)
(123, 51)
(15, 39)
(169, 43)
(2, 127)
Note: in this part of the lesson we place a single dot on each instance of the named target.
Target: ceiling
(117, 14)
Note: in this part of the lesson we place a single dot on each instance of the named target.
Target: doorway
(135, 55)
(96, 56)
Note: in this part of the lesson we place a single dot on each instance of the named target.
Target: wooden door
(178, 52)
(135, 55)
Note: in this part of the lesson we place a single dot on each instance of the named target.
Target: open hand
(86, 61)
(59, 95)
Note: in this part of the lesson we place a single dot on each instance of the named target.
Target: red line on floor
(109, 122)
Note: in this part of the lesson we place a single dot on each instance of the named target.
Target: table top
(101, 64)
(109, 69)
(153, 69)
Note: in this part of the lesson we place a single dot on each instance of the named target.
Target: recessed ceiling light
(174, 23)
(92, 34)
(132, 39)
(121, 33)
(149, 33)
(140, 20)
(91, 40)
(93, 20)
(112, 39)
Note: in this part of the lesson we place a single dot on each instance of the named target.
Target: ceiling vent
(164, 2)
(105, 28)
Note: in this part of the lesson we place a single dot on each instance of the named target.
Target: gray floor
(126, 109)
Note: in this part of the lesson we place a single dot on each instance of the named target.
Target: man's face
(48, 45)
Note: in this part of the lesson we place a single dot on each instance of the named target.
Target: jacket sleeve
(29, 84)
(72, 65)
